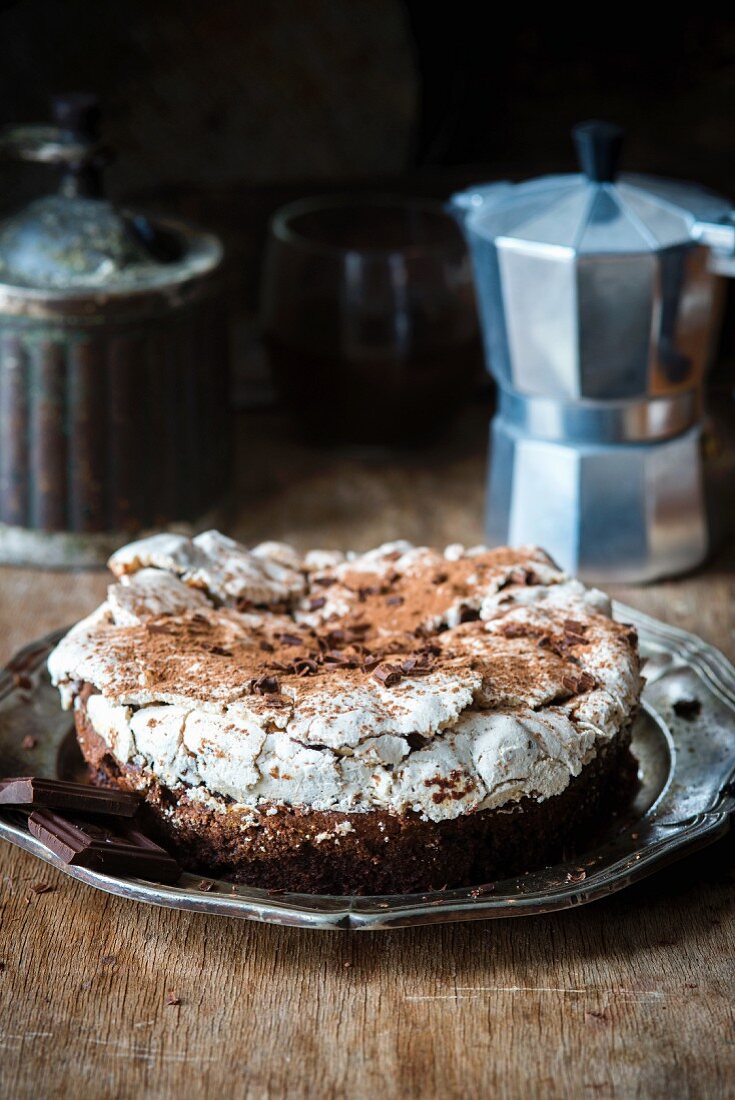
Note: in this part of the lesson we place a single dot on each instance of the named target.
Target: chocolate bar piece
(114, 848)
(57, 794)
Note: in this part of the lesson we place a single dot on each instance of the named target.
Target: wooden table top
(631, 996)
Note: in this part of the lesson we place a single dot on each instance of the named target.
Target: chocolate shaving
(305, 667)
(42, 888)
(317, 603)
(517, 630)
(291, 639)
(418, 665)
(339, 659)
(335, 656)
(368, 590)
(578, 684)
(388, 675)
(395, 601)
(265, 685)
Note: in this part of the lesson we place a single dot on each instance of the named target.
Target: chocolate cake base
(375, 852)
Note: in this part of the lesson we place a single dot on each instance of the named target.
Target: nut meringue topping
(404, 678)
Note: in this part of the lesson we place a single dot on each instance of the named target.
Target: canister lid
(597, 211)
(79, 241)
(87, 244)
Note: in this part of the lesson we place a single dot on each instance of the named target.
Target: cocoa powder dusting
(395, 628)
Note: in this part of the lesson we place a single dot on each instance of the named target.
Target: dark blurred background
(226, 109)
(255, 93)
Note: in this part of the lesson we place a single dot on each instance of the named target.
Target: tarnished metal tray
(686, 795)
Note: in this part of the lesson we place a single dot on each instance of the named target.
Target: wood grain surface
(629, 997)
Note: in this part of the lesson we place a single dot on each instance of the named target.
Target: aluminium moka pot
(600, 305)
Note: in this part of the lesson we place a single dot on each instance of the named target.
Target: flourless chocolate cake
(386, 722)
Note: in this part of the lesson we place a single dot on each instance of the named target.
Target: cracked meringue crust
(390, 721)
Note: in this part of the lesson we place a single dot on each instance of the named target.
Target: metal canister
(114, 410)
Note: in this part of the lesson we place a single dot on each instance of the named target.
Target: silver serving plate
(686, 795)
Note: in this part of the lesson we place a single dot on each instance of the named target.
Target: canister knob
(78, 114)
(72, 143)
(598, 146)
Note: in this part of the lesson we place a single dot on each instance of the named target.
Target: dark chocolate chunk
(115, 848)
(57, 794)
